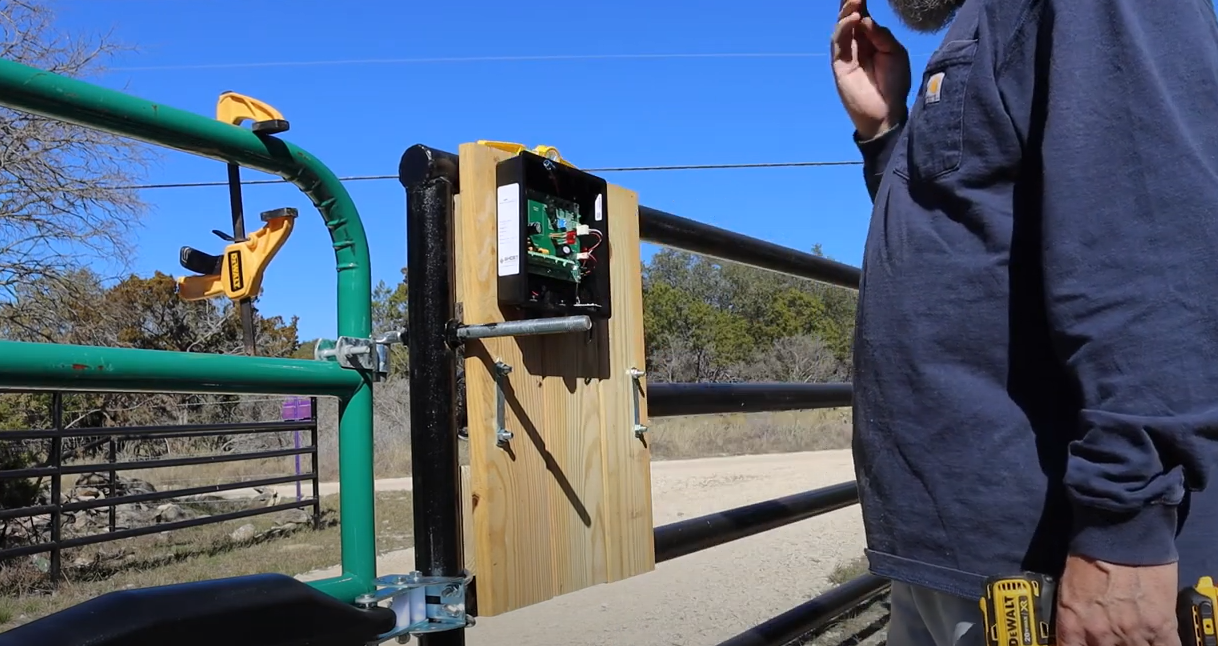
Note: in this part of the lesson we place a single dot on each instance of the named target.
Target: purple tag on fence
(297, 408)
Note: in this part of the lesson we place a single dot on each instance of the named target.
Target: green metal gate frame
(50, 366)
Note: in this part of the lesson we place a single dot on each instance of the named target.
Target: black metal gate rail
(54, 468)
(431, 178)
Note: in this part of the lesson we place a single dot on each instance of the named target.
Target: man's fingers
(843, 35)
(851, 6)
(881, 38)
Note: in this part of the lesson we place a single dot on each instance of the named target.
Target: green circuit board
(553, 246)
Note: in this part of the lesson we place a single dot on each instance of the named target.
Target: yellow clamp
(237, 108)
(549, 152)
(238, 272)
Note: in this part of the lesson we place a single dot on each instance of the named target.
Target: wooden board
(567, 504)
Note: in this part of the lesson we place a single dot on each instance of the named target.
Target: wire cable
(607, 169)
(467, 59)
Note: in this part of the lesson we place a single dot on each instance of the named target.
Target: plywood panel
(567, 504)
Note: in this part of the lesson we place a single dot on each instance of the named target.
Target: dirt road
(702, 598)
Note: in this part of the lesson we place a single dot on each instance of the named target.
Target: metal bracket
(635, 376)
(358, 354)
(423, 604)
(502, 435)
(349, 351)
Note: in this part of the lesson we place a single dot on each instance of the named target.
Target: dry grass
(674, 438)
(848, 570)
(865, 624)
(194, 554)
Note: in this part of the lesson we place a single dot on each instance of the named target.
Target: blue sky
(358, 117)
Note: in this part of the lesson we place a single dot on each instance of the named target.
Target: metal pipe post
(56, 486)
(696, 534)
(675, 400)
(89, 368)
(112, 453)
(527, 327)
(433, 438)
(674, 231)
(316, 467)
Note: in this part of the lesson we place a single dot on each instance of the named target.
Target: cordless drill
(1018, 611)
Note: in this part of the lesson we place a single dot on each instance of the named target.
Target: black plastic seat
(257, 610)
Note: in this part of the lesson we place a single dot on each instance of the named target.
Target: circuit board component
(553, 237)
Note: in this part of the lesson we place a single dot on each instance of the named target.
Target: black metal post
(316, 466)
(56, 486)
(248, 333)
(113, 482)
(696, 534)
(673, 400)
(811, 615)
(675, 231)
(430, 179)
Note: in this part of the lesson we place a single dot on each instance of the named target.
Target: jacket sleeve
(1128, 145)
(876, 153)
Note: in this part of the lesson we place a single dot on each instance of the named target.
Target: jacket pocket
(935, 137)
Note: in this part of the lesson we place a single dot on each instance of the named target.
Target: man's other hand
(1104, 604)
(871, 70)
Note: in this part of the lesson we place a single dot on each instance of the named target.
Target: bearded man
(1036, 355)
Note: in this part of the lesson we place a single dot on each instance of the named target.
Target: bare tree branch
(57, 210)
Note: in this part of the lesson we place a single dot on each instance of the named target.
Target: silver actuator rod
(529, 327)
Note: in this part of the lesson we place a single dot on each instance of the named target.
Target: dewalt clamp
(549, 152)
(236, 109)
(237, 273)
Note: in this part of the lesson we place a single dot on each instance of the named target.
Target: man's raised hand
(871, 70)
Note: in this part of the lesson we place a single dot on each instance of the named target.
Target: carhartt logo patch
(933, 87)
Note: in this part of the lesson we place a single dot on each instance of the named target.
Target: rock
(133, 486)
(243, 533)
(80, 522)
(298, 516)
(170, 513)
(87, 493)
(93, 480)
(266, 500)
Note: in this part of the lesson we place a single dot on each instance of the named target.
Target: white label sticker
(508, 217)
(598, 210)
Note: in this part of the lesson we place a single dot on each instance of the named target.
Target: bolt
(502, 368)
(636, 373)
(503, 436)
(639, 430)
(365, 601)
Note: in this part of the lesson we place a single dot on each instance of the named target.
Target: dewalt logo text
(236, 280)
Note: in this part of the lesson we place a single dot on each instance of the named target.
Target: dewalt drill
(1018, 611)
